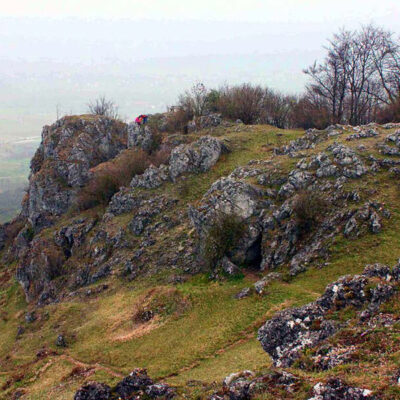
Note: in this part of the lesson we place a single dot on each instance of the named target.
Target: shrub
(242, 102)
(110, 176)
(309, 208)
(102, 106)
(222, 237)
(101, 187)
(389, 113)
(177, 119)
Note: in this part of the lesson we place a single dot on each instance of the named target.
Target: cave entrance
(254, 254)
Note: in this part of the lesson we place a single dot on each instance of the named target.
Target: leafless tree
(330, 79)
(360, 73)
(194, 101)
(102, 106)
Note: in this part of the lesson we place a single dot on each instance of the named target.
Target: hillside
(178, 272)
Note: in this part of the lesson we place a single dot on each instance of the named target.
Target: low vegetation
(110, 176)
(309, 210)
(222, 236)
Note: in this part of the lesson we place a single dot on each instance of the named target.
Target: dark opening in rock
(254, 254)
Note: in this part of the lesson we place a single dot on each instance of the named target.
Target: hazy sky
(57, 55)
(296, 11)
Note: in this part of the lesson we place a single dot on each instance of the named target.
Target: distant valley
(14, 170)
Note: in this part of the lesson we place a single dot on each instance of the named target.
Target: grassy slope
(212, 336)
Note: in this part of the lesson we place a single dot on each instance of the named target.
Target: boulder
(152, 178)
(93, 391)
(140, 136)
(60, 341)
(197, 157)
(137, 380)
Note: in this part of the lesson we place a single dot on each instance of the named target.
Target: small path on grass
(96, 366)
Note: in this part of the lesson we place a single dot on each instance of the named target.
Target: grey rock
(389, 150)
(197, 157)
(291, 331)
(137, 380)
(30, 317)
(138, 223)
(375, 222)
(60, 341)
(286, 334)
(364, 134)
(246, 292)
(93, 391)
(158, 390)
(140, 136)
(211, 120)
(335, 389)
(61, 166)
(328, 357)
(152, 178)
(228, 267)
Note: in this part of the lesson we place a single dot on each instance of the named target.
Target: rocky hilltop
(232, 251)
(69, 149)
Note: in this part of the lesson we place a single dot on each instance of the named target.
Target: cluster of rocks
(42, 259)
(137, 385)
(245, 385)
(307, 141)
(289, 332)
(367, 217)
(363, 134)
(211, 120)
(345, 163)
(328, 357)
(336, 389)
(196, 157)
(272, 236)
(392, 148)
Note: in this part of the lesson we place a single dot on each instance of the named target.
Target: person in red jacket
(141, 119)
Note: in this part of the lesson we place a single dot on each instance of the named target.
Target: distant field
(14, 172)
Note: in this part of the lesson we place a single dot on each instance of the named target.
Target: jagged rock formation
(140, 136)
(293, 330)
(196, 157)
(69, 149)
(205, 122)
(41, 270)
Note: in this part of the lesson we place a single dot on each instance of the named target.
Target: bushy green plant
(309, 208)
(221, 237)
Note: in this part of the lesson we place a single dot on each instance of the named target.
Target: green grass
(209, 335)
